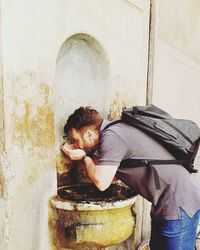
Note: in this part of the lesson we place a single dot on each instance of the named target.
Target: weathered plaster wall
(177, 59)
(32, 35)
(177, 62)
(2, 193)
(1, 95)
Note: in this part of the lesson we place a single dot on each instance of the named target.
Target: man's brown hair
(83, 117)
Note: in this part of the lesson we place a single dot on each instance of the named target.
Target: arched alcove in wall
(82, 78)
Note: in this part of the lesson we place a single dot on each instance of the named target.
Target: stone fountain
(85, 218)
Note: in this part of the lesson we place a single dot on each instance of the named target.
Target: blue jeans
(174, 234)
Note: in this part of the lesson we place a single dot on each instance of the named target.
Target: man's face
(85, 138)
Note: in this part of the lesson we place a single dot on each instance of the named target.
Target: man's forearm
(90, 168)
(101, 176)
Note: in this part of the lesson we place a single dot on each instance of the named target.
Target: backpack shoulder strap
(111, 123)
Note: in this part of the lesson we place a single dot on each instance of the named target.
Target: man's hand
(73, 154)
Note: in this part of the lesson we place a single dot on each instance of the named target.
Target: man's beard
(90, 149)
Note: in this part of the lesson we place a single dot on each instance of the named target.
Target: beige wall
(177, 59)
(2, 203)
(176, 74)
(32, 35)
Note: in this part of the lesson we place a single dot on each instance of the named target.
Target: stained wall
(32, 34)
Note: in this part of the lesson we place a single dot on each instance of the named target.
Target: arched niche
(82, 78)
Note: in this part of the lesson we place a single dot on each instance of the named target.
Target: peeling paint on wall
(7, 176)
(30, 175)
(119, 101)
(37, 129)
(29, 75)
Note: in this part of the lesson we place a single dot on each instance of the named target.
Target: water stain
(37, 129)
(42, 127)
(120, 100)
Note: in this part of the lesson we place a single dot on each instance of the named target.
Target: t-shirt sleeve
(112, 149)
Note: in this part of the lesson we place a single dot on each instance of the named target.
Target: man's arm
(101, 175)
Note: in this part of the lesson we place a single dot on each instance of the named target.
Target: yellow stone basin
(95, 222)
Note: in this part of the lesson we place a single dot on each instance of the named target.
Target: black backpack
(181, 137)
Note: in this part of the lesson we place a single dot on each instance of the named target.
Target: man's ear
(89, 133)
(73, 132)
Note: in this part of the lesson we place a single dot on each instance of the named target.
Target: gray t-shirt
(178, 188)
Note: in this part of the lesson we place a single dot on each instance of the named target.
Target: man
(175, 205)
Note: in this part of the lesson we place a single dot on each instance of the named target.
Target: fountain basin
(84, 217)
